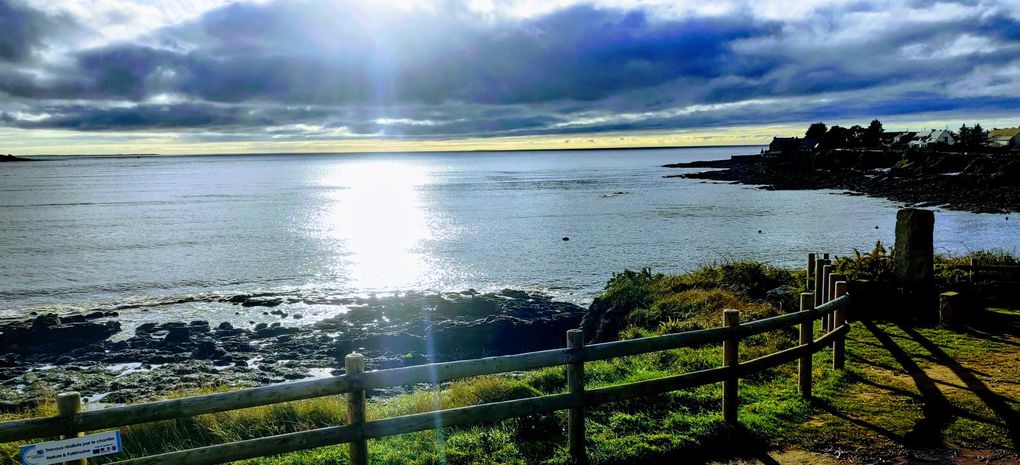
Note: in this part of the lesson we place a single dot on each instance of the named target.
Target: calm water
(170, 235)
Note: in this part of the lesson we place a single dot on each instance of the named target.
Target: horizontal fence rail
(355, 383)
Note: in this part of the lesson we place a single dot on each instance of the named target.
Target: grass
(904, 388)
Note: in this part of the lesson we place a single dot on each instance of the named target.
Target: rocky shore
(5, 158)
(958, 181)
(88, 352)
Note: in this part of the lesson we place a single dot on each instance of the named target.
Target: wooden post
(575, 385)
(823, 296)
(807, 329)
(68, 406)
(839, 318)
(970, 275)
(833, 278)
(731, 318)
(817, 289)
(355, 365)
(809, 280)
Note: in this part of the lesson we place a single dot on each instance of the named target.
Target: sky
(212, 76)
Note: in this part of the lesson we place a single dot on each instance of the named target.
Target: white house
(936, 136)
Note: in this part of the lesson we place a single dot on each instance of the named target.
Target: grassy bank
(904, 388)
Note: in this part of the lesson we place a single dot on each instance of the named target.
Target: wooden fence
(975, 271)
(828, 287)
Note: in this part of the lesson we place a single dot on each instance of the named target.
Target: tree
(873, 134)
(964, 136)
(835, 138)
(816, 131)
(855, 136)
(978, 136)
(971, 137)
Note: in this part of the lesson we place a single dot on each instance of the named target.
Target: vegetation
(856, 136)
(877, 265)
(879, 404)
(837, 137)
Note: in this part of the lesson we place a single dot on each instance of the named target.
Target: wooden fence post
(355, 365)
(839, 345)
(817, 288)
(575, 385)
(807, 329)
(831, 283)
(731, 318)
(68, 406)
(970, 275)
(823, 297)
(810, 279)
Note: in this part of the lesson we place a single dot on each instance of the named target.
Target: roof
(936, 134)
(1005, 133)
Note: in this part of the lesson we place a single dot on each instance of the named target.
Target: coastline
(966, 182)
(93, 354)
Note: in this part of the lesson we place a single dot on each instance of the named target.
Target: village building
(1007, 138)
(787, 145)
(897, 138)
(936, 136)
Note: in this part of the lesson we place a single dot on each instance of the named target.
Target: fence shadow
(996, 327)
(936, 408)
(997, 403)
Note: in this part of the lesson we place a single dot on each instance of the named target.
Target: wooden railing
(974, 268)
(834, 304)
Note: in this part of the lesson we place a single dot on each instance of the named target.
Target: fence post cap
(731, 317)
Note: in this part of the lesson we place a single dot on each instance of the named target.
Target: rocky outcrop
(970, 182)
(391, 331)
(47, 337)
(5, 158)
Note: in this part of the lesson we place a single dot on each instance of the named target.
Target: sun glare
(375, 223)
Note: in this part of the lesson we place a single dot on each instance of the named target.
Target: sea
(170, 238)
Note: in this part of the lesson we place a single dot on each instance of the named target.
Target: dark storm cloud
(449, 73)
(23, 29)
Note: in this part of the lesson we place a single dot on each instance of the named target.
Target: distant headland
(5, 158)
(970, 169)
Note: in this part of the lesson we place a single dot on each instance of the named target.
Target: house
(897, 138)
(936, 136)
(781, 145)
(904, 139)
(1008, 138)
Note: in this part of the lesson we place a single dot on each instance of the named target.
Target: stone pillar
(914, 261)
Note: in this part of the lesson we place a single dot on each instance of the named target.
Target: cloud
(23, 29)
(301, 69)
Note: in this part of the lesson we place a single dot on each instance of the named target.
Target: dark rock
(44, 339)
(225, 326)
(45, 321)
(785, 298)
(177, 334)
(262, 302)
(77, 318)
(205, 350)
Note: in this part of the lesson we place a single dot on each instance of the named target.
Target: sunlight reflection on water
(376, 224)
